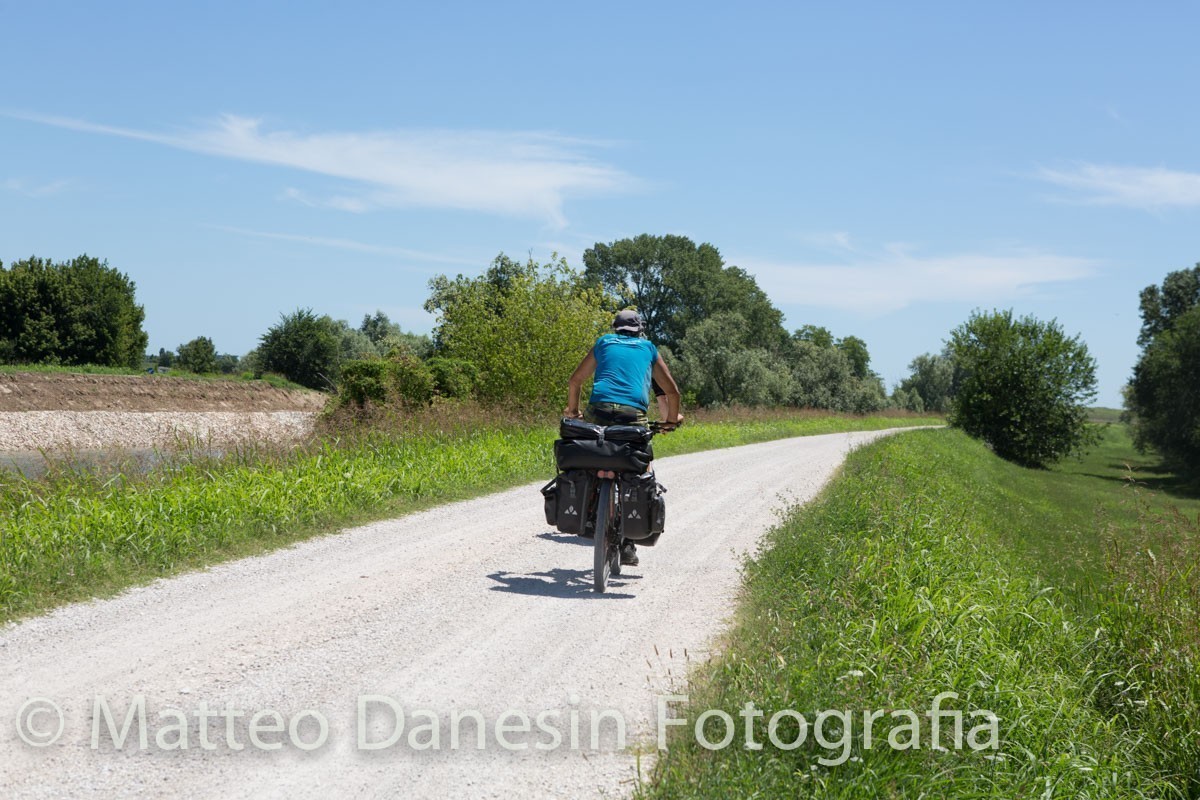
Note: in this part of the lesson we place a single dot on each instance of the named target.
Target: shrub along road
(470, 607)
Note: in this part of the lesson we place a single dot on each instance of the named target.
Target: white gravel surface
(95, 430)
(475, 606)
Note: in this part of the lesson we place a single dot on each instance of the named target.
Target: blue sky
(881, 168)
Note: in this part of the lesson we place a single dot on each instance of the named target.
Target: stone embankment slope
(61, 411)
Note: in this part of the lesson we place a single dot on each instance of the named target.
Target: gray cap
(628, 320)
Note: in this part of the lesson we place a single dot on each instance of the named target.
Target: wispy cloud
(515, 173)
(897, 279)
(34, 189)
(351, 246)
(1137, 187)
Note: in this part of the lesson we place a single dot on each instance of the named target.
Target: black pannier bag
(566, 505)
(643, 508)
(578, 429)
(622, 448)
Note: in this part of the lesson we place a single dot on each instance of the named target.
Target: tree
(1024, 387)
(1163, 396)
(674, 284)
(199, 356)
(1160, 307)
(303, 348)
(718, 367)
(856, 351)
(832, 374)
(77, 312)
(931, 379)
(523, 325)
(388, 336)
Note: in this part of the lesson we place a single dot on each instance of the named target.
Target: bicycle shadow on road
(565, 538)
(567, 583)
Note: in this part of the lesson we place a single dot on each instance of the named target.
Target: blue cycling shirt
(623, 365)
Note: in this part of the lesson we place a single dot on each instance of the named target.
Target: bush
(1023, 387)
(199, 356)
(403, 380)
(412, 381)
(453, 377)
(364, 381)
(302, 347)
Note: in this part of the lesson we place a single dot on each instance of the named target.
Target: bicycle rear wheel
(601, 560)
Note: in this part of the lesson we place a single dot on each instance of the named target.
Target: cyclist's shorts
(614, 414)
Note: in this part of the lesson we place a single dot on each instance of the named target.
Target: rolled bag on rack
(621, 448)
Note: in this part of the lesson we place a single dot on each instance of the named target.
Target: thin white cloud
(897, 279)
(350, 245)
(517, 173)
(29, 189)
(1136, 187)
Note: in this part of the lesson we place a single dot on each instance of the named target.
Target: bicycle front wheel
(601, 563)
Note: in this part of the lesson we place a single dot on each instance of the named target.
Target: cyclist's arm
(575, 384)
(662, 374)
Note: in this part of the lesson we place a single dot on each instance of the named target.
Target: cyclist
(625, 365)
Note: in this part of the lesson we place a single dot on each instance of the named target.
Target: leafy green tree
(1024, 387)
(523, 325)
(718, 367)
(165, 358)
(388, 336)
(831, 374)
(819, 336)
(227, 363)
(674, 284)
(856, 351)
(76, 312)
(1163, 397)
(1160, 307)
(199, 356)
(302, 347)
(931, 379)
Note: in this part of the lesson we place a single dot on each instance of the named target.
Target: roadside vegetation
(1064, 601)
(78, 533)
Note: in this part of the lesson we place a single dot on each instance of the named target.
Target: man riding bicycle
(625, 365)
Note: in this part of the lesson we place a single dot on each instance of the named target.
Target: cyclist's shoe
(629, 557)
(589, 530)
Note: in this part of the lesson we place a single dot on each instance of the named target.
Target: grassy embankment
(74, 534)
(1063, 601)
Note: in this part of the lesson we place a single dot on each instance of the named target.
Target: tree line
(512, 334)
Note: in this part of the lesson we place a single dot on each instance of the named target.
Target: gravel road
(466, 613)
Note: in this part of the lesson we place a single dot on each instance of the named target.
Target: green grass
(82, 369)
(1103, 415)
(931, 566)
(74, 535)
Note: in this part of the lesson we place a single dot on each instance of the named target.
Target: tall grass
(911, 577)
(79, 532)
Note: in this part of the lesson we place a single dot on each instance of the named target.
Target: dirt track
(37, 391)
(475, 606)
